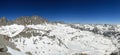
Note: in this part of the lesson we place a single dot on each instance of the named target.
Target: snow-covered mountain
(59, 39)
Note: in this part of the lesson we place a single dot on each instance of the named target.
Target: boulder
(3, 49)
(5, 53)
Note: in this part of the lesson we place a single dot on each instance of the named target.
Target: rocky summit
(23, 20)
(36, 36)
(3, 21)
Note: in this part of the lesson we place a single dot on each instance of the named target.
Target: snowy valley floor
(60, 39)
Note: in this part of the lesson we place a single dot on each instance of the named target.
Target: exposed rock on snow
(57, 39)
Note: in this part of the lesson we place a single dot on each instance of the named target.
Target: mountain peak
(24, 20)
(3, 21)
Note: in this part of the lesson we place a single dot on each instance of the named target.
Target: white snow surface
(73, 40)
(11, 30)
(15, 52)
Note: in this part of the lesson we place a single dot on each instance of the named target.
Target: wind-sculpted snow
(59, 39)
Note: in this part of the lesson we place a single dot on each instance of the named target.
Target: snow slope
(58, 39)
(14, 52)
(11, 30)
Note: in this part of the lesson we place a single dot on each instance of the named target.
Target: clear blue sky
(71, 11)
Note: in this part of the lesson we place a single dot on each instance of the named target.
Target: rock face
(3, 21)
(24, 20)
(5, 53)
(29, 20)
(3, 48)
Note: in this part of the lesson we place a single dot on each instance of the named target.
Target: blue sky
(70, 11)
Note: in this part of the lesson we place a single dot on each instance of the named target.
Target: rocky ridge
(24, 20)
